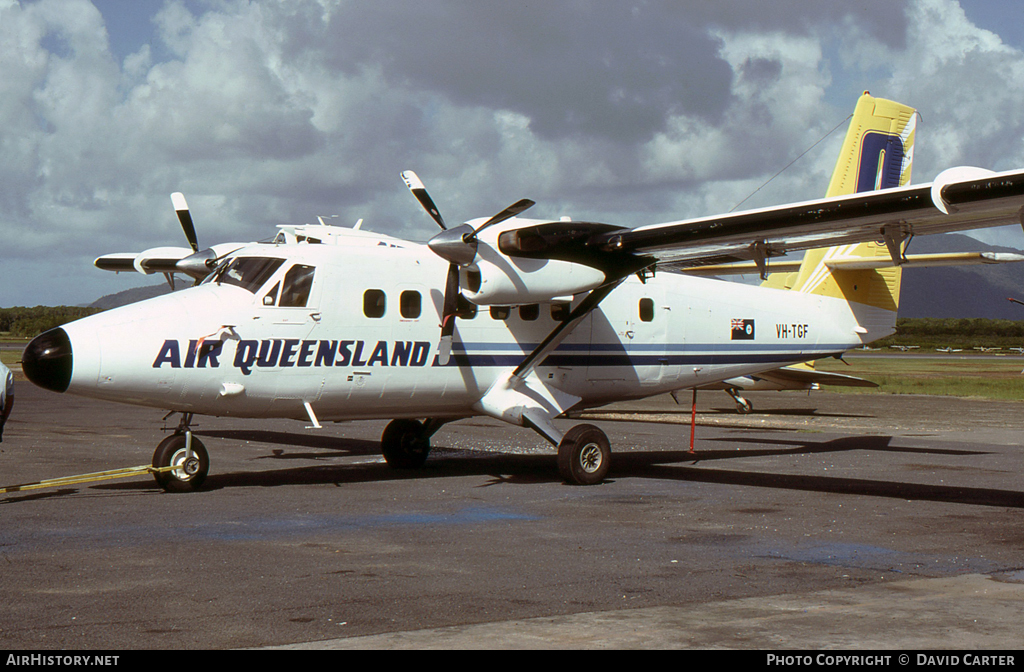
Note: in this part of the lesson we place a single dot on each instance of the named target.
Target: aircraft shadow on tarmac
(798, 445)
(336, 445)
(680, 465)
(684, 416)
(828, 484)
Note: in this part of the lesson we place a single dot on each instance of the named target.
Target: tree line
(956, 332)
(25, 322)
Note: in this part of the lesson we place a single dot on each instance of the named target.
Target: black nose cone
(47, 360)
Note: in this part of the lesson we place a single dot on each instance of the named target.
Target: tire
(405, 444)
(192, 473)
(584, 455)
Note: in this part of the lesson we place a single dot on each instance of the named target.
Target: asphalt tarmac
(825, 521)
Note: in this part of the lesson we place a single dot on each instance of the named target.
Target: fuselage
(352, 332)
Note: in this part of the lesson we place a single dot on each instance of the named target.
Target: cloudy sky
(631, 113)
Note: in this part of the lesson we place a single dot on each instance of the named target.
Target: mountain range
(945, 292)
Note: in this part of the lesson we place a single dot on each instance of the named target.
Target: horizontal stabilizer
(928, 260)
(796, 377)
(791, 374)
(862, 263)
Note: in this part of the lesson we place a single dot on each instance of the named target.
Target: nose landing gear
(188, 454)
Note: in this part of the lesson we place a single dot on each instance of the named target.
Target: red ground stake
(693, 418)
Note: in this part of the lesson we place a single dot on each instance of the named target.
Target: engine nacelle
(952, 176)
(499, 280)
(160, 259)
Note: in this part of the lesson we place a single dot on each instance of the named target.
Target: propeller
(458, 246)
(198, 264)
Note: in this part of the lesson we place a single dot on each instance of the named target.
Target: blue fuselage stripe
(625, 358)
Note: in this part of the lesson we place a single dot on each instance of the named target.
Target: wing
(959, 199)
(892, 215)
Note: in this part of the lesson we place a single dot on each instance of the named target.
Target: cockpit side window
(297, 283)
(270, 298)
(247, 272)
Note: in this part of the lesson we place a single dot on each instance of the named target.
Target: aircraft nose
(47, 360)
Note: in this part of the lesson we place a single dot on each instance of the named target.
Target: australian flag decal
(742, 330)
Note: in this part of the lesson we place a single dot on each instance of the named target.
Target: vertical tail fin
(878, 153)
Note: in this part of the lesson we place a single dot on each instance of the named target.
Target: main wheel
(191, 470)
(584, 455)
(405, 444)
(742, 405)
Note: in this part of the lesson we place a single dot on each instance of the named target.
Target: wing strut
(894, 235)
(520, 397)
(759, 250)
(555, 338)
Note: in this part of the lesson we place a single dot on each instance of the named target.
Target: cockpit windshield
(246, 272)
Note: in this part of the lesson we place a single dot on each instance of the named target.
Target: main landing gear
(584, 453)
(406, 443)
(187, 453)
(742, 404)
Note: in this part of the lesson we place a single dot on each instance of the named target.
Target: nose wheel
(189, 457)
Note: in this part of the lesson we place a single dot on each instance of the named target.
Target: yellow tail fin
(878, 153)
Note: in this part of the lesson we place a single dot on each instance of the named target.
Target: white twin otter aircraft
(518, 319)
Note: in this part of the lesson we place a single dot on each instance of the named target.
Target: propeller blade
(418, 190)
(181, 208)
(508, 213)
(448, 311)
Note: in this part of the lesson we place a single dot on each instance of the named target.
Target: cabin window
(529, 313)
(247, 272)
(559, 312)
(646, 310)
(374, 303)
(297, 283)
(410, 304)
(500, 312)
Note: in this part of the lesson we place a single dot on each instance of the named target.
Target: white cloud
(267, 113)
